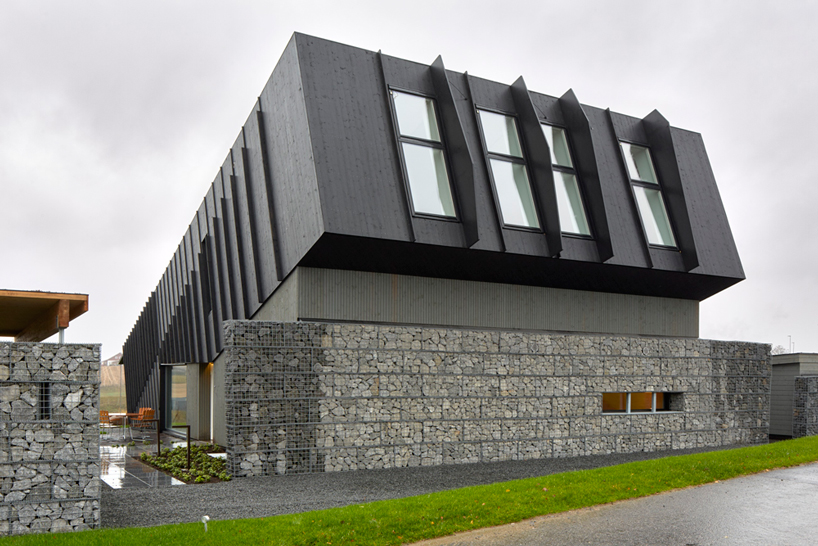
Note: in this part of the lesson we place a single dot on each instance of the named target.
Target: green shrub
(203, 467)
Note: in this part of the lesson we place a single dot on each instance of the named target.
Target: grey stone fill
(805, 407)
(321, 397)
(49, 437)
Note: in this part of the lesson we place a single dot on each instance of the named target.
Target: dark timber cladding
(316, 178)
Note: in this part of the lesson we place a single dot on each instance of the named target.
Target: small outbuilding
(788, 369)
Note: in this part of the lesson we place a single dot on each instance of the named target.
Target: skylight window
(569, 198)
(424, 156)
(508, 170)
(648, 194)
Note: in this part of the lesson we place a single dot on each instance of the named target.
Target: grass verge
(426, 516)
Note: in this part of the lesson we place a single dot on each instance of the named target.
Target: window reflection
(423, 155)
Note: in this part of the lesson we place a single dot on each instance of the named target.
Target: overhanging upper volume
(355, 160)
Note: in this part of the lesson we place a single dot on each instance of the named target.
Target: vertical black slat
(200, 320)
(393, 126)
(627, 178)
(191, 293)
(538, 158)
(236, 276)
(460, 156)
(244, 225)
(496, 208)
(233, 268)
(174, 321)
(127, 356)
(184, 345)
(258, 187)
(139, 357)
(222, 250)
(243, 245)
(139, 373)
(253, 222)
(131, 377)
(178, 334)
(240, 265)
(205, 281)
(168, 343)
(153, 325)
(141, 349)
(187, 311)
(164, 313)
(215, 268)
(208, 280)
(191, 340)
(165, 387)
(582, 137)
(160, 308)
(269, 193)
(663, 151)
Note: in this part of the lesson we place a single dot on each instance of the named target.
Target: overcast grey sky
(115, 117)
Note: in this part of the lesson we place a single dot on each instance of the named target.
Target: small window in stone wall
(44, 406)
(641, 402)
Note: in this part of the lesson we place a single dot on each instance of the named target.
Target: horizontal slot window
(641, 402)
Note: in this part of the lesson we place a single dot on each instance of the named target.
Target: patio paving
(120, 466)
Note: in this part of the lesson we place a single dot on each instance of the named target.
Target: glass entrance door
(176, 393)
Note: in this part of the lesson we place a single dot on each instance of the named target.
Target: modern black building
(369, 189)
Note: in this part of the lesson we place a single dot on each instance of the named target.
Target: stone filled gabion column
(49, 437)
(805, 406)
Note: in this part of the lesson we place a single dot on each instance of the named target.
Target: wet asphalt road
(779, 507)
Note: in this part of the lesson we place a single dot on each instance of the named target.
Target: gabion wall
(805, 406)
(49, 437)
(308, 397)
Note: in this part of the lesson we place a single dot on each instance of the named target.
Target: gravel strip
(273, 495)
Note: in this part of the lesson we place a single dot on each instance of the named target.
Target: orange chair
(104, 420)
(143, 420)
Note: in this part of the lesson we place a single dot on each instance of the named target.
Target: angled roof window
(508, 170)
(648, 195)
(424, 157)
(569, 197)
(639, 163)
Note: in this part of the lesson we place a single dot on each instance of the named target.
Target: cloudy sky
(115, 117)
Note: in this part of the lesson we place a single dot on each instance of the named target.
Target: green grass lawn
(437, 514)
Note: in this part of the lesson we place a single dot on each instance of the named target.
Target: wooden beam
(31, 294)
(47, 324)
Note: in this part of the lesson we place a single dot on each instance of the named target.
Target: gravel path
(269, 496)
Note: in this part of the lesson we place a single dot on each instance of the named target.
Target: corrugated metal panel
(330, 294)
(781, 398)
